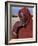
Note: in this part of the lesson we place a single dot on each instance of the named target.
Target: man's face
(23, 17)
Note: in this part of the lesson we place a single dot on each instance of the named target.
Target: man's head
(24, 15)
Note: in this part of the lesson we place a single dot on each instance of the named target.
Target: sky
(15, 10)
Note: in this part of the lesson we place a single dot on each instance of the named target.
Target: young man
(23, 28)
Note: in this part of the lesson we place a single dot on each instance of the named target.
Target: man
(23, 28)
